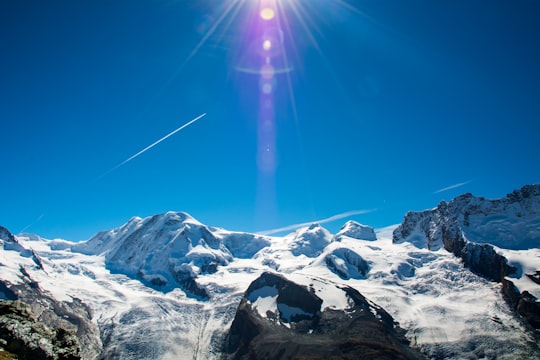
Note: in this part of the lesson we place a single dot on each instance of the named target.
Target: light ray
(232, 6)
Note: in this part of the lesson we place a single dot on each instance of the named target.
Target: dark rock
(363, 331)
(535, 277)
(347, 264)
(29, 339)
(524, 303)
(187, 281)
(482, 259)
(75, 316)
(7, 236)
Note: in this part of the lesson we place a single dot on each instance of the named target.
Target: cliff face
(33, 323)
(22, 335)
(469, 226)
(512, 222)
(280, 319)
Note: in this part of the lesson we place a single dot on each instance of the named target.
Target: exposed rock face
(483, 260)
(467, 224)
(347, 264)
(30, 339)
(298, 328)
(512, 222)
(356, 231)
(524, 303)
(73, 317)
(7, 236)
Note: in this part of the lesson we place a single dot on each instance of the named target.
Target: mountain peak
(309, 240)
(356, 230)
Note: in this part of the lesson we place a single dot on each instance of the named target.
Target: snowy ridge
(512, 222)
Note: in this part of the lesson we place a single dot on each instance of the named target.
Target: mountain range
(461, 280)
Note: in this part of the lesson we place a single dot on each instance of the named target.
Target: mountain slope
(169, 287)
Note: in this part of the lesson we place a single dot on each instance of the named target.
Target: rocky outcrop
(484, 260)
(28, 338)
(362, 330)
(74, 317)
(523, 302)
(7, 236)
(468, 225)
(347, 264)
(511, 222)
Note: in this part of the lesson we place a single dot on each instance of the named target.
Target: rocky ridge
(299, 327)
(454, 227)
(45, 313)
(22, 335)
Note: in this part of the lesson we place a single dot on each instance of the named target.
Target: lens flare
(267, 13)
(267, 45)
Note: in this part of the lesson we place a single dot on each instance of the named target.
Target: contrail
(31, 224)
(151, 146)
(451, 187)
(322, 221)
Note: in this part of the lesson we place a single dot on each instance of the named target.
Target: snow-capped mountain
(169, 287)
(170, 250)
(483, 234)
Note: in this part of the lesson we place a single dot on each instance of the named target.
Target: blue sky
(369, 105)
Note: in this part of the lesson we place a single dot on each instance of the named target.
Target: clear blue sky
(370, 105)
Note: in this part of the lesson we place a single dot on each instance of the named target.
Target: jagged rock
(524, 303)
(74, 317)
(30, 339)
(484, 260)
(363, 329)
(511, 222)
(467, 224)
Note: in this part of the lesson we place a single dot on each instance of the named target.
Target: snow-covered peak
(356, 230)
(170, 250)
(309, 240)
